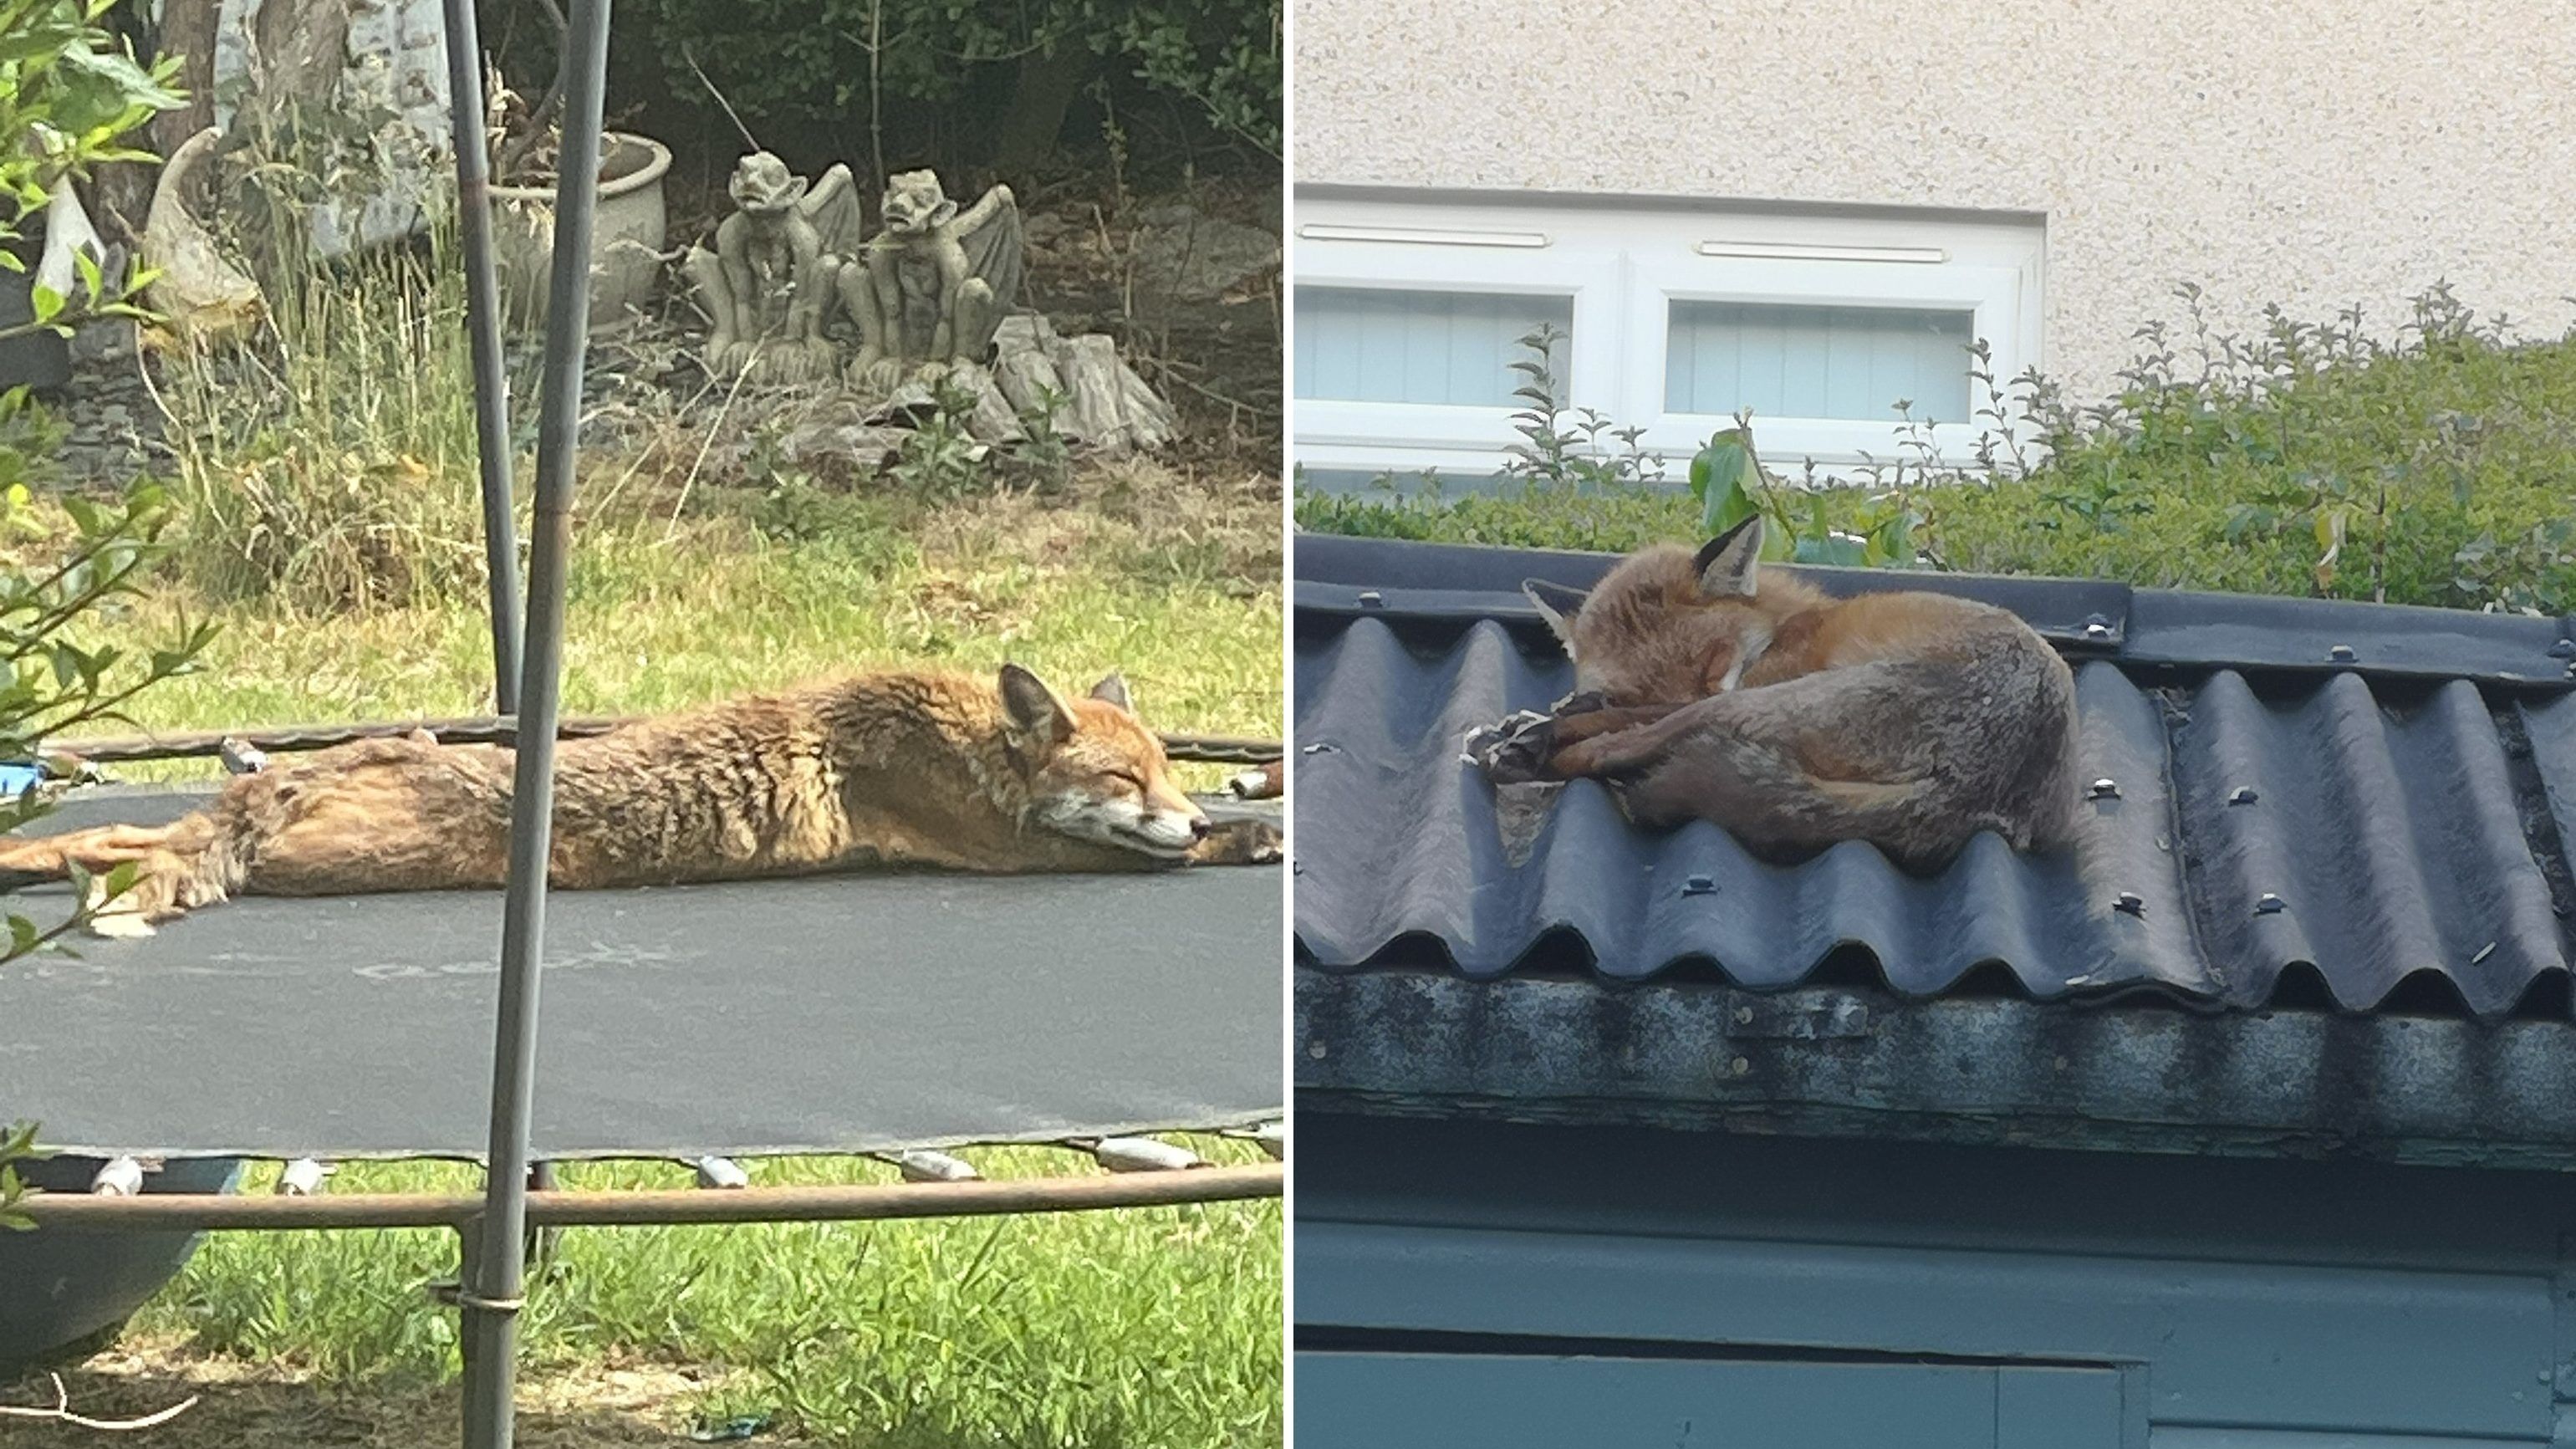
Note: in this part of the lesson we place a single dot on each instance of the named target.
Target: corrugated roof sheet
(2374, 793)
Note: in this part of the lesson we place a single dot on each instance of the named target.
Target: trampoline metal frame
(827, 1202)
(493, 1228)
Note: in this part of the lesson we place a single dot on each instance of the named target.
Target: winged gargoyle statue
(768, 285)
(930, 289)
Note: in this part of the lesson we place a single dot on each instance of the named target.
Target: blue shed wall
(2240, 1304)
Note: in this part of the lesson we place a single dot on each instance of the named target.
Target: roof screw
(1699, 885)
(2130, 903)
(2563, 649)
(1315, 1049)
(2105, 788)
(2097, 628)
(1744, 1016)
(1739, 1066)
(2342, 654)
(1372, 599)
(2241, 795)
(2269, 904)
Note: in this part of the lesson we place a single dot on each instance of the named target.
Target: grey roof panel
(2398, 822)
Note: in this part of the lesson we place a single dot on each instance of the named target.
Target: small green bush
(2436, 468)
(807, 66)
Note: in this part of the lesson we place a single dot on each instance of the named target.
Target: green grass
(2445, 462)
(659, 618)
(1148, 1327)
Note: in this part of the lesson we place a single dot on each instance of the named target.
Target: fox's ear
(1034, 709)
(1113, 690)
(1557, 604)
(1730, 564)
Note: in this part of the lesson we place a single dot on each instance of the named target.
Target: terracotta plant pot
(625, 243)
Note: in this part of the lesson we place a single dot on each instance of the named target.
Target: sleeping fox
(880, 770)
(1708, 689)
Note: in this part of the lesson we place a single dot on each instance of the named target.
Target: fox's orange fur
(880, 770)
(1709, 688)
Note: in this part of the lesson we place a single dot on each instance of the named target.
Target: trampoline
(854, 1013)
(862, 1013)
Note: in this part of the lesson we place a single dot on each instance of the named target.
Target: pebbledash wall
(2308, 153)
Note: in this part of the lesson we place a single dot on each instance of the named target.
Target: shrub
(68, 99)
(798, 66)
(2434, 468)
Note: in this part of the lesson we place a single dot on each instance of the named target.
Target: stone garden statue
(931, 289)
(769, 283)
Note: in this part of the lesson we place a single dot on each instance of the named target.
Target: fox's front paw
(1238, 842)
(1516, 751)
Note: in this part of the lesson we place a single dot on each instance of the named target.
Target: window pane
(1362, 344)
(1788, 361)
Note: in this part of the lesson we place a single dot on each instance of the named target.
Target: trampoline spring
(1143, 1154)
(303, 1177)
(118, 1177)
(1271, 1136)
(1264, 783)
(921, 1165)
(240, 756)
(720, 1172)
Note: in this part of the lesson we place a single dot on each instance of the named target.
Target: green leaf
(1832, 550)
(47, 302)
(1718, 477)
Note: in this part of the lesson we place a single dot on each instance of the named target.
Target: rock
(915, 403)
(1100, 402)
(1188, 255)
(860, 444)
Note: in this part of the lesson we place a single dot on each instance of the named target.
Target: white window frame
(1625, 263)
(1453, 438)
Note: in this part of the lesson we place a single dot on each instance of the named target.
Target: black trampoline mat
(851, 1013)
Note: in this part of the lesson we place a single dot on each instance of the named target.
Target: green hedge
(2439, 468)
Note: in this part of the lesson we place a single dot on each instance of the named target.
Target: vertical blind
(1791, 361)
(1366, 344)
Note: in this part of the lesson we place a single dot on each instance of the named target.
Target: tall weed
(331, 465)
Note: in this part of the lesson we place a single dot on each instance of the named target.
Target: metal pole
(823, 1202)
(483, 325)
(500, 1258)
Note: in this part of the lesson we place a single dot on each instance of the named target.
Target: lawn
(1157, 1327)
